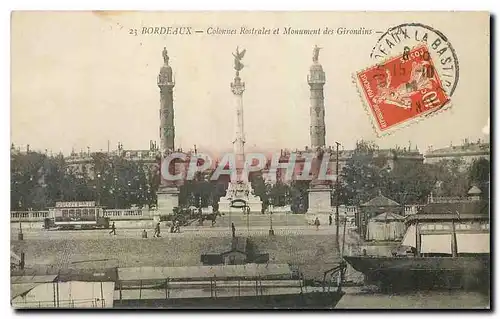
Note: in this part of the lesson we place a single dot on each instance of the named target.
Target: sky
(79, 79)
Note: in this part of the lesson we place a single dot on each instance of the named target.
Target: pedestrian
(157, 230)
(316, 222)
(233, 230)
(330, 220)
(144, 234)
(113, 229)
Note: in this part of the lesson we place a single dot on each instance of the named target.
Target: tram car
(76, 215)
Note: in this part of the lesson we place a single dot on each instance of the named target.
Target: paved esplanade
(188, 232)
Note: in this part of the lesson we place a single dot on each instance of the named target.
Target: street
(189, 232)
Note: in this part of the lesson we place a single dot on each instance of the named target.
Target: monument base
(240, 191)
(168, 198)
(320, 201)
(254, 203)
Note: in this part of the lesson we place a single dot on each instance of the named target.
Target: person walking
(330, 220)
(157, 230)
(113, 229)
(316, 222)
(233, 230)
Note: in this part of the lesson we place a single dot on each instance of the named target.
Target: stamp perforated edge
(405, 124)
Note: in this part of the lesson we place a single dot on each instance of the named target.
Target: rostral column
(168, 197)
(239, 195)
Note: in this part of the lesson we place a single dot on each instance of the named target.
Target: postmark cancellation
(401, 90)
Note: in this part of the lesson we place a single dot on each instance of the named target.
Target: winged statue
(238, 56)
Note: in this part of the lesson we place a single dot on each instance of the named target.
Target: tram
(76, 215)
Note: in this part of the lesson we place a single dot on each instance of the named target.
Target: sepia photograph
(250, 160)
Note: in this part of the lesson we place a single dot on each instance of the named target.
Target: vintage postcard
(250, 160)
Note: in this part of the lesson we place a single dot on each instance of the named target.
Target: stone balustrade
(112, 214)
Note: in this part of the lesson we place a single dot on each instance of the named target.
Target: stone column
(319, 192)
(316, 80)
(168, 194)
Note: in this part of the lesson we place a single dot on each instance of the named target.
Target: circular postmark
(399, 39)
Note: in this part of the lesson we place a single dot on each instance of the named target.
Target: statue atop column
(165, 55)
(237, 86)
(238, 56)
(316, 53)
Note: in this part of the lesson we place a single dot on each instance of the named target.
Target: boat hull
(311, 300)
(410, 273)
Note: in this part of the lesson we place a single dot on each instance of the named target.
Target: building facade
(466, 153)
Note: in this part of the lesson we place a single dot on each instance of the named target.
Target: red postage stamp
(401, 90)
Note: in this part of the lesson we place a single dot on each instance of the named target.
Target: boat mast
(337, 196)
(343, 238)
(417, 239)
(454, 250)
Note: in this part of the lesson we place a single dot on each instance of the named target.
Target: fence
(72, 303)
(412, 209)
(113, 214)
(28, 216)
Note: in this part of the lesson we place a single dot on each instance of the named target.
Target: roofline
(456, 154)
(446, 217)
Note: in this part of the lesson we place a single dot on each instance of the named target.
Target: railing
(412, 209)
(112, 214)
(28, 216)
(452, 199)
(72, 303)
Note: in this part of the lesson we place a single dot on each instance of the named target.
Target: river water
(362, 298)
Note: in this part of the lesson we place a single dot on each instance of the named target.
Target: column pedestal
(168, 198)
(320, 200)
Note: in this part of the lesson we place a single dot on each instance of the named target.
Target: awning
(473, 243)
(436, 244)
(409, 238)
(19, 289)
(32, 279)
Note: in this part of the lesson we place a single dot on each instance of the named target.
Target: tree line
(407, 181)
(39, 180)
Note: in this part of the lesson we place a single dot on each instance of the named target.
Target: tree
(154, 180)
(299, 196)
(260, 189)
(279, 194)
(363, 176)
(28, 181)
(410, 182)
(451, 179)
(198, 192)
(479, 175)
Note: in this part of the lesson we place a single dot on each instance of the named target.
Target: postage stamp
(410, 35)
(402, 90)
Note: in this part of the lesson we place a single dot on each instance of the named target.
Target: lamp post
(98, 189)
(271, 230)
(246, 209)
(337, 194)
(20, 235)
